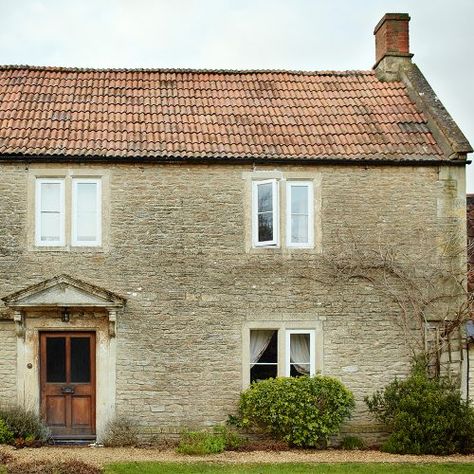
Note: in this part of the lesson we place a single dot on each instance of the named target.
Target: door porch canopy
(63, 292)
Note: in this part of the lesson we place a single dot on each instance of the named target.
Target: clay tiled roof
(209, 114)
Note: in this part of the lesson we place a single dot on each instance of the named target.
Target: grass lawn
(370, 468)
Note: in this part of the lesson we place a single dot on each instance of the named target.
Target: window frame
(275, 242)
(98, 241)
(310, 203)
(312, 350)
(38, 211)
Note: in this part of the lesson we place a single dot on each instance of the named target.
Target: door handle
(68, 390)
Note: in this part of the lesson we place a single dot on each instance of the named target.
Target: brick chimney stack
(391, 45)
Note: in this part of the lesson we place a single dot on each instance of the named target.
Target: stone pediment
(63, 291)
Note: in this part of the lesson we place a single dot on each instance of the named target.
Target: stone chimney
(391, 45)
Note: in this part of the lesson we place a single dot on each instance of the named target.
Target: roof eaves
(408, 160)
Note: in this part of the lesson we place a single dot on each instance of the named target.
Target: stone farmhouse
(169, 236)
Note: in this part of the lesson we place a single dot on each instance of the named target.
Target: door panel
(81, 411)
(68, 382)
(56, 411)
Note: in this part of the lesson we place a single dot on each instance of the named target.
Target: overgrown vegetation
(351, 443)
(22, 427)
(6, 436)
(425, 415)
(303, 411)
(423, 287)
(121, 432)
(206, 442)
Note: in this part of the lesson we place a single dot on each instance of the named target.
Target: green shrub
(303, 411)
(201, 442)
(351, 443)
(24, 423)
(6, 436)
(120, 432)
(425, 416)
(232, 440)
(205, 442)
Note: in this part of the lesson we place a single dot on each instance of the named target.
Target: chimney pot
(391, 36)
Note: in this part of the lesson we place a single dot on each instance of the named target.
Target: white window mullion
(49, 212)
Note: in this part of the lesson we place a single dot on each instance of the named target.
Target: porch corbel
(112, 312)
(19, 319)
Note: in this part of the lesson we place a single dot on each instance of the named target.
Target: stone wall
(8, 392)
(177, 251)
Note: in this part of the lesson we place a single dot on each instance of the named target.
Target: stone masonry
(177, 251)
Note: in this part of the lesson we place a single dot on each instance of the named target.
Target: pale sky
(244, 34)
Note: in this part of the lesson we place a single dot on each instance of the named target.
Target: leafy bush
(24, 424)
(351, 443)
(6, 436)
(205, 442)
(233, 441)
(425, 416)
(303, 411)
(120, 432)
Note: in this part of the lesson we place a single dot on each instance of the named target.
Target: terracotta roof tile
(221, 114)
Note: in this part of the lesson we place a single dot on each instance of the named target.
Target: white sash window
(86, 212)
(68, 212)
(300, 351)
(49, 215)
(299, 214)
(265, 215)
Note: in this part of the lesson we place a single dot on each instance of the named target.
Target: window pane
(56, 359)
(86, 197)
(300, 344)
(262, 372)
(86, 208)
(265, 227)
(80, 360)
(263, 354)
(264, 346)
(300, 354)
(265, 197)
(86, 227)
(299, 229)
(299, 199)
(299, 370)
(50, 226)
(50, 197)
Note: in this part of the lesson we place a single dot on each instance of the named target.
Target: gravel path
(101, 456)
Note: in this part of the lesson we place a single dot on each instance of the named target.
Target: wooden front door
(68, 383)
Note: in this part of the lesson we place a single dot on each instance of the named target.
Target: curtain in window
(259, 341)
(300, 353)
